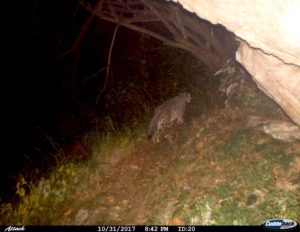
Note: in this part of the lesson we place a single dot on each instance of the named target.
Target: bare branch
(186, 30)
(108, 63)
(162, 19)
(77, 41)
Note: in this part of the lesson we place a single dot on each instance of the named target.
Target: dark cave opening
(51, 100)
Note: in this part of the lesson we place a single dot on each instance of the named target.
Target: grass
(218, 173)
(48, 196)
(185, 185)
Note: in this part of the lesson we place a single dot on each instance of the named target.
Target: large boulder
(269, 32)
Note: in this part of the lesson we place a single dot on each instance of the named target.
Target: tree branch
(108, 63)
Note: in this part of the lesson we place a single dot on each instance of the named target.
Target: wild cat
(168, 114)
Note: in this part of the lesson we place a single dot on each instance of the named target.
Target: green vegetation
(219, 172)
(229, 182)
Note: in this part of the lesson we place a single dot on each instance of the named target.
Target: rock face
(282, 130)
(270, 43)
(278, 80)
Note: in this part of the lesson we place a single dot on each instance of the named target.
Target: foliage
(218, 173)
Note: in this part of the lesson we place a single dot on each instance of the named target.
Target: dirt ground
(219, 172)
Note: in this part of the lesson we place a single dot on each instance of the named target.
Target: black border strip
(132, 228)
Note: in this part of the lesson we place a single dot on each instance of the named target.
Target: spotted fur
(167, 114)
